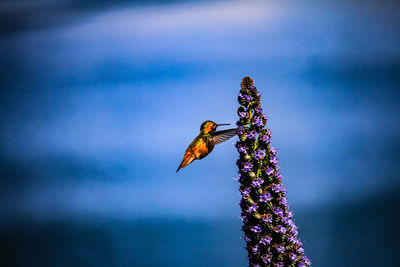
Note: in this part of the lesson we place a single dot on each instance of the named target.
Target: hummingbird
(204, 143)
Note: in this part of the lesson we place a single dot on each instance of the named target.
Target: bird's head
(209, 126)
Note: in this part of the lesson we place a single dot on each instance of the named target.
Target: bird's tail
(187, 159)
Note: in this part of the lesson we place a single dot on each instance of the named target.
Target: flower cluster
(269, 228)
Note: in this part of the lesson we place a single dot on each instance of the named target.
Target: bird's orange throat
(209, 127)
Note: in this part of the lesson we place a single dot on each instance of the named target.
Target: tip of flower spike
(247, 82)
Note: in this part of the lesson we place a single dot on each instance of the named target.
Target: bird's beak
(223, 124)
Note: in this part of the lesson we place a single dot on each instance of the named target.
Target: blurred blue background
(99, 102)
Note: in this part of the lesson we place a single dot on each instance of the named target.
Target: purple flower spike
(245, 193)
(293, 257)
(259, 154)
(266, 139)
(255, 249)
(278, 188)
(267, 258)
(266, 240)
(278, 211)
(292, 239)
(253, 208)
(306, 260)
(243, 114)
(279, 177)
(242, 149)
(269, 229)
(258, 110)
(246, 98)
(280, 249)
(256, 229)
(265, 117)
(283, 201)
(267, 218)
(283, 190)
(252, 135)
(287, 220)
(274, 160)
(265, 197)
(258, 121)
(300, 250)
(269, 171)
(247, 167)
(257, 182)
(280, 229)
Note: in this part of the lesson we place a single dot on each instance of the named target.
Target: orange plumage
(204, 143)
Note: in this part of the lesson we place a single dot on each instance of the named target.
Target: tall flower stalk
(269, 229)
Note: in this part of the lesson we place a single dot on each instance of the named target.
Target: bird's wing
(222, 136)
